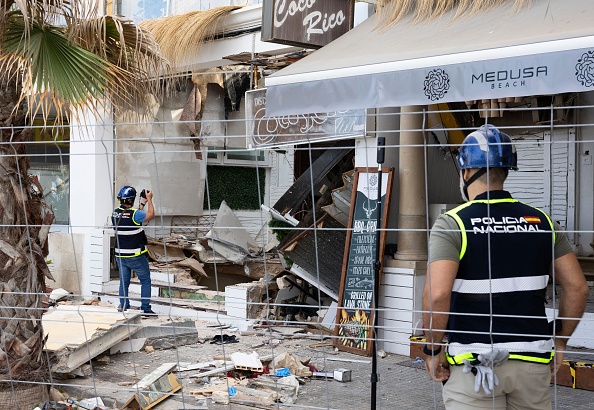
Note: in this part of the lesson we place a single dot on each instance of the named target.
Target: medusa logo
(437, 84)
(584, 69)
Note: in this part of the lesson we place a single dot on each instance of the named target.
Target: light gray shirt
(445, 241)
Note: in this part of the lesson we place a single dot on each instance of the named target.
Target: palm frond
(132, 52)
(391, 12)
(41, 12)
(105, 59)
(60, 72)
(181, 36)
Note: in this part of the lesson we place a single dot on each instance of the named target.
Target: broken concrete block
(227, 228)
(342, 375)
(58, 294)
(82, 371)
(244, 300)
(128, 346)
(247, 394)
(283, 283)
(221, 397)
(287, 387)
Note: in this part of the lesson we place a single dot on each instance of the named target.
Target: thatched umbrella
(391, 12)
(181, 36)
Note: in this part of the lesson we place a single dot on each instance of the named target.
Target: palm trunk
(24, 228)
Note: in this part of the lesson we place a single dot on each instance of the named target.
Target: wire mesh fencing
(264, 254)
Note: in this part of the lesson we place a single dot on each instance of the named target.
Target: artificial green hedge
(277, 228)
(238, 186)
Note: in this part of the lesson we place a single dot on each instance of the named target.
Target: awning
(545, 48)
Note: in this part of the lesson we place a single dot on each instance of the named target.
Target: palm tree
(56, 56)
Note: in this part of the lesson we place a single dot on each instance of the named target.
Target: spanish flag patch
(532, 219)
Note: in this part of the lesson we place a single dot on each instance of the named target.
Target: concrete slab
(77, 334)
(228, 230)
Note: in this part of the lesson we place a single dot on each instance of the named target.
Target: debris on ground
(288, 360)
(240, 375)
(154, 388)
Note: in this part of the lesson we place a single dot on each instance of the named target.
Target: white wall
(585, 172)
(159, 155)
(91, 192)
(66, 256)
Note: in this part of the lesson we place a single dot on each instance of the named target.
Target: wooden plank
(252, 403)
(301, 189)
(399, 315)
(195, 366)
(315, 345)
(154, 388)
(397, 292)
(339, 359)
(218, 370)
(397, 304)
(397, 279)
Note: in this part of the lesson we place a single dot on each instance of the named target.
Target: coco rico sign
(306, 23)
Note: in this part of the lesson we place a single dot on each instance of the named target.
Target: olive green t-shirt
(445, 241)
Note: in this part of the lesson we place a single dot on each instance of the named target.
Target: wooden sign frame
(353, 330)
(307, 24)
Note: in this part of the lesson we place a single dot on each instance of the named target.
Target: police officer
(490, 261)
(130, 246)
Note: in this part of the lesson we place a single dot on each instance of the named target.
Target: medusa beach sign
(265, 131)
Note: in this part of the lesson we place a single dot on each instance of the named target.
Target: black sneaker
(148, 313)
(121, 310)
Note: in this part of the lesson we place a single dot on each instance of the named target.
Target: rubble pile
(256, 369)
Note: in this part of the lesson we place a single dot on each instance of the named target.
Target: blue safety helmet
(127, 193)
(487, 147)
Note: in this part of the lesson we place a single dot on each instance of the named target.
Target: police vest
(130, 237)
(498, 296)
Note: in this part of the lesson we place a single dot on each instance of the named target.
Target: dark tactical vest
(130, 237)
(505, 260)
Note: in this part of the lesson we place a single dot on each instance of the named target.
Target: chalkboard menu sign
(354, 329)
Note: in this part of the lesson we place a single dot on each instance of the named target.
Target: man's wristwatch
(430, 352)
